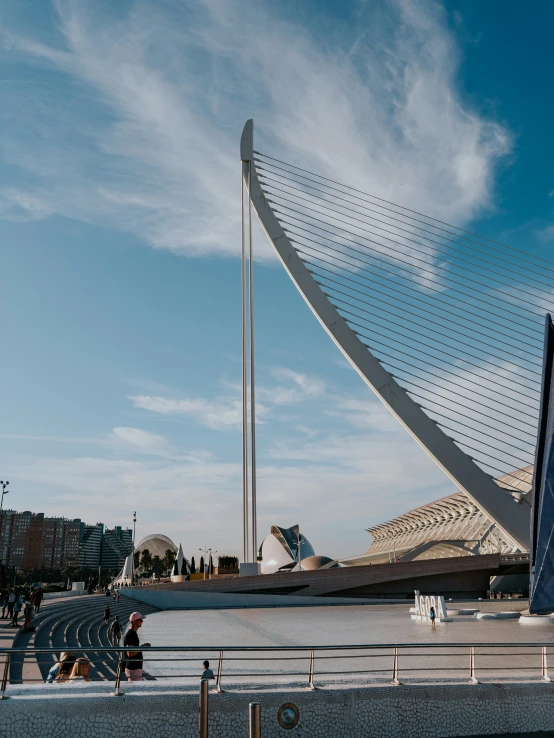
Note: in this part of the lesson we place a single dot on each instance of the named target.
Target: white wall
(162, 710)
(170, 599)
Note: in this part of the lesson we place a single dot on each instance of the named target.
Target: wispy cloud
(140, 440)
(216, 414)
(147, 140)
(225, 411)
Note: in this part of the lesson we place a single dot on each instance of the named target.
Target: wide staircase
(69, 625)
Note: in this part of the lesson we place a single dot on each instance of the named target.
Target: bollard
(255, 720)
(203, 711)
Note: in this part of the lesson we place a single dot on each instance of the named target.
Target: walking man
(432, 615)
(39, 594)
(133, 665)
(11, 603)
(114, 632)
(107, 614)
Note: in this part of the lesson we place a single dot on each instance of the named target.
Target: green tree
(201, 565)
(146, 560)
(169, 560)
(192, 566)
(136, 559)
(157, 566)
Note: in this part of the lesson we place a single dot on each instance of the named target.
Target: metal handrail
(261, 649)
(398, 651)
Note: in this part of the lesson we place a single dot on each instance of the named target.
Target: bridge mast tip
(247, 141)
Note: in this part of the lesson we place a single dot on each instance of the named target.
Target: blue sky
(120, 232)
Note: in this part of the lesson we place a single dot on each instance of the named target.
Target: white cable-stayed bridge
(444, 325)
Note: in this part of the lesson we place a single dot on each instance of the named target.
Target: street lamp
(205, 551)
(133, 565)
(4, 492)
(299, 556)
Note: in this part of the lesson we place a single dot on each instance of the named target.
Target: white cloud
(226, 411)
(139, 439)
(295, 387)
(214, 414)
(198, 499)
(148, 140)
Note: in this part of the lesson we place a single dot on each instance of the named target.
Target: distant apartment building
(32, 541)
(105, 547)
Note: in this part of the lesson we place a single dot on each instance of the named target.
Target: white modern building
(449, 527)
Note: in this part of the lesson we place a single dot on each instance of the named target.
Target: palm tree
(157, 566)
(146, 560)
(169, 559)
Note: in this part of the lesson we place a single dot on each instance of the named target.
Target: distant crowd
(19, 601)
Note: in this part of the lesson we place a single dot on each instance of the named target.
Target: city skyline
(119, 217)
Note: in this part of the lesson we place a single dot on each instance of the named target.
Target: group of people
(15, 601)
(69, 668)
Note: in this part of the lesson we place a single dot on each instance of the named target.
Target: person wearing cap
(133, 665)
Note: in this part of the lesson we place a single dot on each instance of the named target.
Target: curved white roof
(157, 544)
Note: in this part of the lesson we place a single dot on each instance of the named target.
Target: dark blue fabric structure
(541, 588)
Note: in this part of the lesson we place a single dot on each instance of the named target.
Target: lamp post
(4, 492)
(205, 551)
(299, 556)
(134, 527)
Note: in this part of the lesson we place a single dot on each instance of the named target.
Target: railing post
(395, 667)
(255, 720)
(472, 677)
(5, 677)
(219, 672)
(117, 692)
(312, 668)
(203, 711)
(544, 666)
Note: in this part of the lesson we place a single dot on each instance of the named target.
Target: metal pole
(395, 680)
(4, 492)
(472, 677)
(254, 712)
(134, 527)
(544, 666)
(252, 382)
(244, 383)
(312, 669)
(299, 556)
(203, 717)
(117, 692)
(5, 676)
(219, 673)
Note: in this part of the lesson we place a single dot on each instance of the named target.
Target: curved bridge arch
(511, 518)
